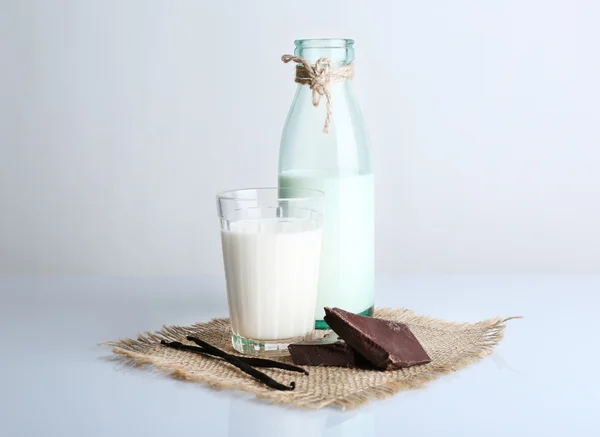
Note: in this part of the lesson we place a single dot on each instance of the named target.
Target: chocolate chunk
(387, 345)
(326, 351)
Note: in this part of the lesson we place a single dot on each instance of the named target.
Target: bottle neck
(340, 51)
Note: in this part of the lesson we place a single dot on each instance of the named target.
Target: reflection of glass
(283, 421)
(350, 424)
(339, 164)
(271, 250)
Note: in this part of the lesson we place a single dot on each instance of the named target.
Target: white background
(121, 119)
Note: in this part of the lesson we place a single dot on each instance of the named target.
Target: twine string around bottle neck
(319, 77)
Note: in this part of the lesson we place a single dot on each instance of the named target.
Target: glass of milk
(271, 240)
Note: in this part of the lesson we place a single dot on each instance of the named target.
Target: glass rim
(310, 194)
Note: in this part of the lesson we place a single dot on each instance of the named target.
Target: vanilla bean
(232, 359)
(246, 368)
(256, 362)
(261, 362)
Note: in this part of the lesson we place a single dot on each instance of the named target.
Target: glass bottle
(339, 164)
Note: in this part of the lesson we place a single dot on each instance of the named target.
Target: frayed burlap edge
(131, 352)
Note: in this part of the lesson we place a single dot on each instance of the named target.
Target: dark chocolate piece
(387, 345)
(326, 351)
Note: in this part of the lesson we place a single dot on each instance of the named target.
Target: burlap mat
(451, 346)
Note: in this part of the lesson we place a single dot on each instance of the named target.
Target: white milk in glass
(347, 255)
(272, 272)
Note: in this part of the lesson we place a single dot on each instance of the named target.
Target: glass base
(272, 348)
(321, 324)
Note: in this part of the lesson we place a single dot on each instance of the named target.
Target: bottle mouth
(324, 43)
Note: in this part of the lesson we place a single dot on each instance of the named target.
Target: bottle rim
(328, 43)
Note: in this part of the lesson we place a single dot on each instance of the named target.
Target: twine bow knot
(319, 77)
(320, 81)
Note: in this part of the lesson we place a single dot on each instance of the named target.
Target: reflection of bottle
(339, 163)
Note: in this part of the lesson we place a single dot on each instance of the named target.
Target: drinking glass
(271, 240)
